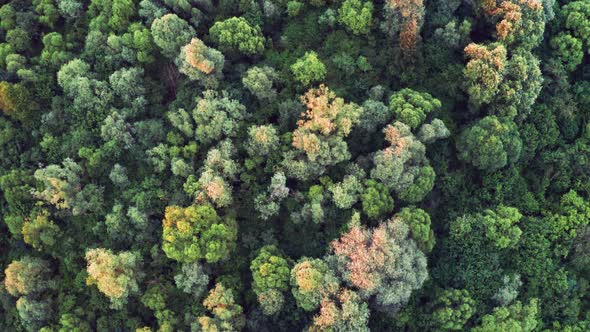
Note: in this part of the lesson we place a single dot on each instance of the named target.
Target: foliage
(411, 107)
(197, 232)
(490, 143)
(441, 182)
(455, 307)
(237, 35)
(356, 16)
(308, 69)
(115, 275)
(372, 262)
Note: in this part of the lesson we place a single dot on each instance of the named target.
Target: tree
(430, 132)
(568, 49)
(376, 114)
(59, 184)
(411, 107)
(376, 199)
(344, 311)
(509, 290)
(418, 222)
(237, 35)
(383, 262)
(110, 15)
(34, 313)
(320, 134)
(403, 167)
(214, 183)
(227, 314)
(308, 69)
(201, 63)
(268, 204)
(115, 275)
(170, 33)
(15, 101)
(47, 11)
(484, 72)
(346, 193)
(192, 279)
(7, 17)
(576, 15)
(403, 21)
(197, 232)
(216, 116)
(490, 143)
(311, 280)
(499, 226)
(40, 232)
(55, 50)
(520, 86)
(259, 81)
(454, 308)
(521, 22)
(262, 140)
(571, 215)
(270, 272)
(517, 317)
(19, 39)
(356, 16)
(27, 276)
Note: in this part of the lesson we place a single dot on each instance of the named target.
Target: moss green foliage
(197, 232)
(308, 69)
(454, 307)
(490, 144)
(270, 274)
(294, 165)
(356, 16)
(376, 199)
(237, 35)
(411, 107)
(419, 223)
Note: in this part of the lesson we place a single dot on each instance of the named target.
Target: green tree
(55, 50)
(418, 221)
(237, 35)
(411, 107)
(197, 232)
(454, 308)
(47, 11)
(259, 81)
(356, 16)
(346, 193)
(490, 143)
(271, 274)
(498, 226)
(216, 116)
(376, 199)
(308, 69)
(568, 49)
(171, 33)
(192, 279)
(517, 317)
(40, 232)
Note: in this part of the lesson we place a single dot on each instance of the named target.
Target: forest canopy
(294, 165)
